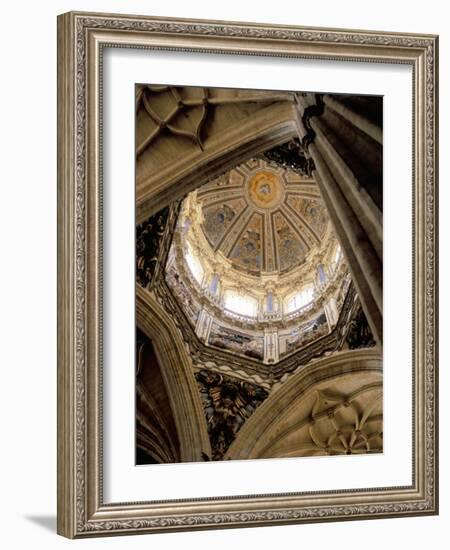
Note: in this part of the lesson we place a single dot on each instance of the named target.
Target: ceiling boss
(265, 190)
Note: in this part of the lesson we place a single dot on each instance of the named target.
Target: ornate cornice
(229, 280)
(258, 518)
(248, 30)
(215, 358)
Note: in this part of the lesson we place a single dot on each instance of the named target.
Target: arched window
(195, 267)
(299, 299)
(214, 284)
(242, 304)
(321, 275)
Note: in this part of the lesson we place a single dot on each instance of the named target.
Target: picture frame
(82, 41)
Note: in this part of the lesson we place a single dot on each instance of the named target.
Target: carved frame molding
(81, 37)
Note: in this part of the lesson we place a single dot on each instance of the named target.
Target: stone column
(348, 171)
(364, 118)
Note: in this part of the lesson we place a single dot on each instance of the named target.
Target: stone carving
(175, 109)
(186, 112)
(311, 110)
(148, 244)
(338, 425)
(153, 240)
(237, 342)
(184, 295)
(228, 403)
(291, 155)
(247, 366)
(359, 334)
(303, 335)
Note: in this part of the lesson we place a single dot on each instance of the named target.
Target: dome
(263, 218)
(254, 263)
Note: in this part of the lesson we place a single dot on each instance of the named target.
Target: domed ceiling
(254, 263)
(263, 218)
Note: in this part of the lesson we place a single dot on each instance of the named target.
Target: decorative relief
(347, 424)
(221, 359)
(254, 31)
(228, 403)
(189, 112)
(303, 335)
(237, 342)
(308, 513)
(243, 335)
(290, 155)
(168, 109)
(148, 243)
(153, 240)
(183, 294)
(315, 108)
(359, 334)
(345, 418)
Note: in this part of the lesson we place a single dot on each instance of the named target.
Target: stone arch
(177, 374)
(332, 406)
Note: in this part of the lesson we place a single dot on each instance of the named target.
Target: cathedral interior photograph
(259, 274)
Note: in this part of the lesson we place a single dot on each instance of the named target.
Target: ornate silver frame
(81, 38)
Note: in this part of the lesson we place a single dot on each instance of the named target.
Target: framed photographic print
(247, 284)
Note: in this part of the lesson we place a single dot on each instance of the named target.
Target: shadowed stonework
(228, 403)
